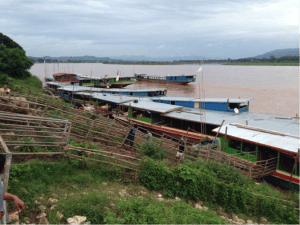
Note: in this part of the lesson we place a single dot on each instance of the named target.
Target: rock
(14, 217)
(104, 183)
(52, 207)
(235, 218)
(257, 183)
(59, 215)
(140, 197)
(54, 195)
(241, 221)
(71, 194)
(42, 208)
(159, 195)
(143, 192)
(79, 219)
(205, 208)
(106, 208)
(249, 222)
(84, 193)
(44, 220)
(263, 220)
(87, 223)
(160, 199)
(113, 205)
(198, 206)
(53, 200)
(223, 217)
(41, 215)
(26, 220)
(177, 199)
(122, 193)
(229, 220)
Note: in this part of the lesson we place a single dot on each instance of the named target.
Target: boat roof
(62, 74)
(58, 83)
(278, 123)
(263, 137)
(84, 93)
(167, 98)
(118, 99)
(134, 90)
(153, 106)
(217, 100)
(80, 88)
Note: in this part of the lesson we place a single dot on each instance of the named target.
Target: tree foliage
(13, 60)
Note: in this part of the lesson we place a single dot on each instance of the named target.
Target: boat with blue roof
(170, 79)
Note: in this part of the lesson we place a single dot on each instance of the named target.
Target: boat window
(234, 144)
(172, 102)
(286, 163)
(247, 147)
(233, 105)
(130, 93)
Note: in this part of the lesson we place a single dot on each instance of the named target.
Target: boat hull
(163, 81)
(193, 138)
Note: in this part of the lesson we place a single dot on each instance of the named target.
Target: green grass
(24, 84)
(80, 190)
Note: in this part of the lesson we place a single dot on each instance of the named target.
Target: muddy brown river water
(275, 89)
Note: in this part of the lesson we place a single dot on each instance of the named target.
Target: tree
(272, 58)
(13, 60)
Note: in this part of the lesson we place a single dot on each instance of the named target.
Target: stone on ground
(14, 216)
(53, 200)
(76, 220)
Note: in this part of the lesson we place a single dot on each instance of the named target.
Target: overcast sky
(155, 28)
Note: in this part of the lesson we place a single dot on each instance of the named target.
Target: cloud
(160, 47)
(117, 27)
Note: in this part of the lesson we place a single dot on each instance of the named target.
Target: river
(275, 89)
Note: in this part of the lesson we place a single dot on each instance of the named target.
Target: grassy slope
(80, 190)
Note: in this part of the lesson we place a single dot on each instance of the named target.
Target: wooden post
(225, 139)
(296, 159)
(89, 130)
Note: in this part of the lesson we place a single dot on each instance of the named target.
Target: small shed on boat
(65, 77)
(181, 78)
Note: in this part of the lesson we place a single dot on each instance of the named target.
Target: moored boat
(107, 82)
(174, 79)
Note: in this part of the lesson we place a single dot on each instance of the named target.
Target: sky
(212, 29)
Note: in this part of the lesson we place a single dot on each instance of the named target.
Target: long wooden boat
(66, 77)
(178, 79)
(106, 82)
(279, 151)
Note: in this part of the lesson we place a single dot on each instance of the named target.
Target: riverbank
(263, 64)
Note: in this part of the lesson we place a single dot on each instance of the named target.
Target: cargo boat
(174, 79)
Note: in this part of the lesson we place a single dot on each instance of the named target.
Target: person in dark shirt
(180, 151)
(131, 136)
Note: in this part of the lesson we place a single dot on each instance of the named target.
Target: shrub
(153, 150)
(193, 182)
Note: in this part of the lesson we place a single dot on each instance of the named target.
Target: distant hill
(279, 53)
(83, 58)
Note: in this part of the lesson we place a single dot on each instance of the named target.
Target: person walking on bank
(5, 90)
(19, 204)
(179, 155)
(131, 136)
(148, 137)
